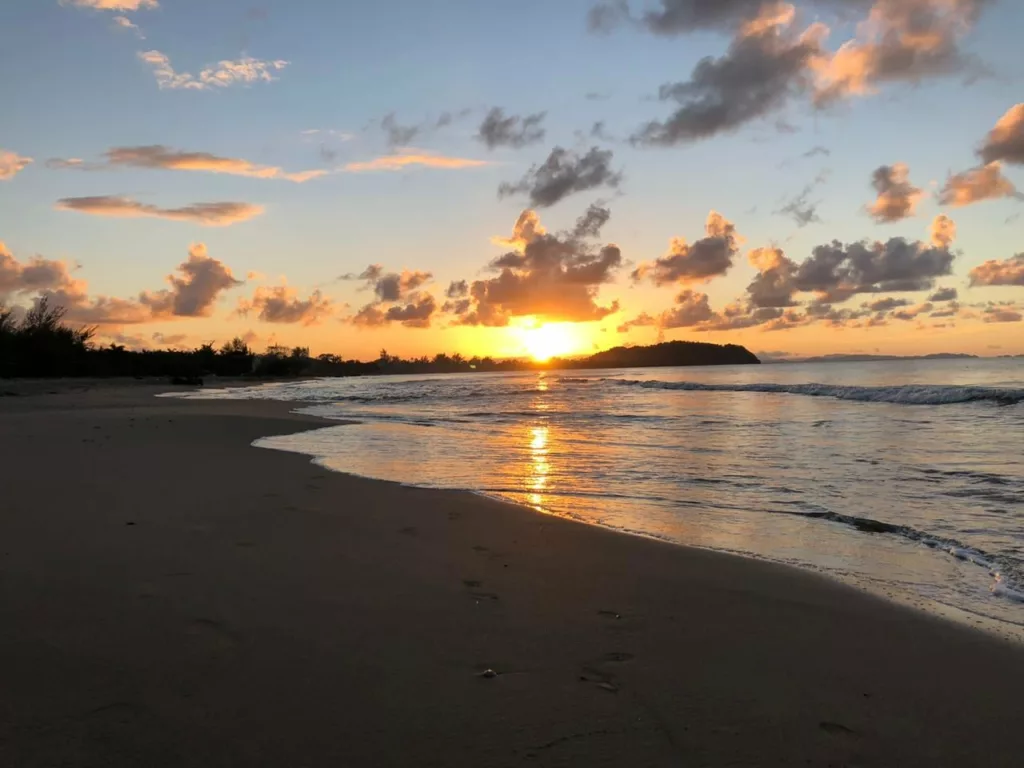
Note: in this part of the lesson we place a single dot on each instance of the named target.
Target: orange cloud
(406, 158)
(208, 214)
(1008, 272)
(1006, 140)
(11, 163)
(897, 197)
(986, 182)
(157, 156)
(281, 304)
(223, 74)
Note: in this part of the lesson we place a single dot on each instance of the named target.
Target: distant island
(669, 353)
(861, 358)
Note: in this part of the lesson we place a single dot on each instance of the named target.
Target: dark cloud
(985, 182)
(763, 68)
(396, 134)
(457, 289)
(643, 320)
(800, 209)
(709, 257)
(1007, 272)
(207, 214)
(390, 286)
(1005, 142)
(818, 150)
(946, 294)
(416, 312)
(886, 304)
(281, 304)
(774, 285)
(1001, 315)
(897, 197)
(514, 131)
(691, 308)
(564, 173)
(551, 277)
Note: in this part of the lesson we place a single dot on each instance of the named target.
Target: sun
(543, 342)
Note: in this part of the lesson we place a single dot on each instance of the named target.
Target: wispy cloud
(409, 157)
(113, 5)
(11, 163)
(157, 156)
(208, 214)
(986, 182)
(125, 23)
(221, 75)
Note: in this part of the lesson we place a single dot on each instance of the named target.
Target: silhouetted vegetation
(42, 345)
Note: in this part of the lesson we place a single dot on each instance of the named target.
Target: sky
(503, 179)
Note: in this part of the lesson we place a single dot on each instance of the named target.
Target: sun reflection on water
(540, 468)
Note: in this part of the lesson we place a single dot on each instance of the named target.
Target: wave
(908, 394)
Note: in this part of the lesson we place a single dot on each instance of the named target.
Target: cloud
(774, 284)
(551, 277)
(950, 294)
(410, 157)
(562, 174)
(677, 17)
(1002, 315)
(897, 197)
(222, 75)
(457, 289)
(986, 182)
(818, 150)
(11, 163)
(1007, 272)
(208, 214)
(415, 312)
(398, 298)
(497, 130)
(157, 156)
(800, 209)
(901, 41)
(943, 231)
(690, 309)
(765, 66)
(193, 291)
(125, 23)
(707, 258)
(169, 339)
(643, 320)
(1006, 141)
(886, 304)
(113, 5)
(281, 304)
(398, 135)
(34, 276)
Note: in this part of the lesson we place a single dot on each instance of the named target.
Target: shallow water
(904, 478)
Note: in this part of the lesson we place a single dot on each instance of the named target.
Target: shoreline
(178, 598)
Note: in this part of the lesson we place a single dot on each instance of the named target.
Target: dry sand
(172, 596)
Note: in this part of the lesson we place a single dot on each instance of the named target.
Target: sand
(172, 596)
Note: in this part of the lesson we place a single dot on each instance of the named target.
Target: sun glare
(545, 341)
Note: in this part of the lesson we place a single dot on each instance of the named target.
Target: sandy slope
(171, 596)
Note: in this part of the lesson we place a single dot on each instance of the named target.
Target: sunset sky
(834, 176)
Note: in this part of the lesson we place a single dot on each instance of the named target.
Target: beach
(171, 595)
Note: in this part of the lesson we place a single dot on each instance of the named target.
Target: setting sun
(550, 340)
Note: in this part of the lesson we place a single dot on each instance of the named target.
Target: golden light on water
(539, 467)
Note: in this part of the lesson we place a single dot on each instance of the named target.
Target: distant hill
(882, 358)
(670, 353)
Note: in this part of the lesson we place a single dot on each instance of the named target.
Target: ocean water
(902, 478)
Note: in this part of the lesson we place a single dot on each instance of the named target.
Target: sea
(902, 478)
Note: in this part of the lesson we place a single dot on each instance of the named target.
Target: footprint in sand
(599, 678)
(837, 729)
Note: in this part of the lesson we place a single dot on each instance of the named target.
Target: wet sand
(172, 596)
